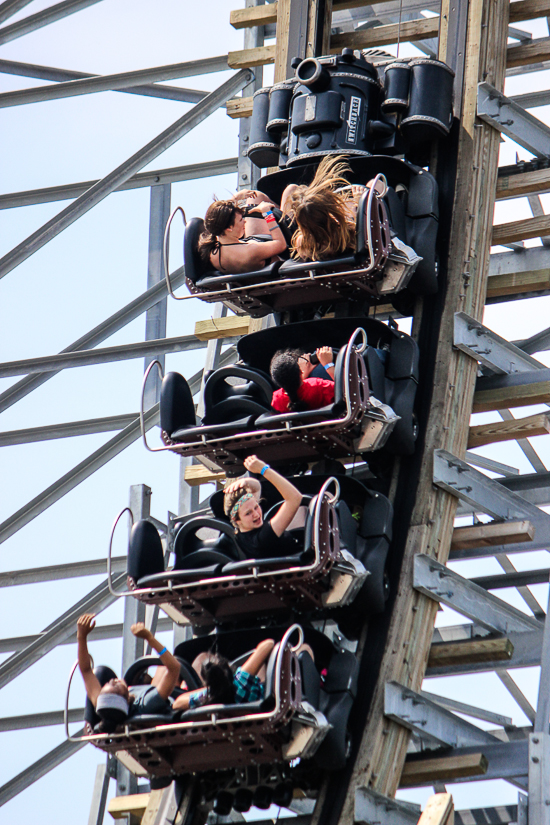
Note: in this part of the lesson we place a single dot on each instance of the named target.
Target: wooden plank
(248, 58)
(509, 430)
(134, 804)
(240, 106)
(518, 283)
(491, 535)
(439, 810)
(505, 397)
(253, 16)
(445, 654)
(228, 327)
(411, 30)
(196, 474)
(536, 51)
(521, 230)
(438, 769)
(529, 10)
(526, 183)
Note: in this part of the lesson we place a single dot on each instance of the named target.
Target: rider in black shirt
(259, 539)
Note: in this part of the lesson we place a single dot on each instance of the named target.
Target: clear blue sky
(90, 271)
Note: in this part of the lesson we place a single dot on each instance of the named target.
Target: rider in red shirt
(291, 370)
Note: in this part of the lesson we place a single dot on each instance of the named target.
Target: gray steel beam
(39, 768)
(10, 7)
(68, 430)
(444, 585)
(516, 694)
(527, 653)
(39, 720)
(155, 317)
(539, 776)
(61, 629)
(538, 211)
(122, 173)
(99, 795)
(192, 171)
(372, 808)
(489, 349)
(43, 18)
(513, 579)
(499, 111)
(516, 379)
(77, 475)
(249, 173)
(95, 336)
(501, 815)
(490, 464)
(432, 724)
(469, 710)
(61, 75)
(525, 446)
(523, 591)
(507, 760)
(539, 342)
(530, 259)
(110, 631)
(100, 83)
(532, 100)
(84, 358)
(55, 572)
(542, 718)
(487, 496)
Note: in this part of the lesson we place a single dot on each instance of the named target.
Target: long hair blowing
(218, 678)
(321, 213)
(286, 374)
(220, 215)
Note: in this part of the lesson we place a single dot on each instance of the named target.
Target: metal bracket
(372, 808)
(539, 778)
(495, 353)
(430, 722)
(443, 585)
(499, 111)
(485, 495)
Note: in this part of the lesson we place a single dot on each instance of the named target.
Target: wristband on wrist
(270, 218)
(163, 651)
(264, 469)
(328, 366)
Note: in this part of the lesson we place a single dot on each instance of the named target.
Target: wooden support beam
(529, 10)
(536, 51)
(445, 654)
(526, 183)
(491, 535)
(503, 398)
(482, 434)
(443, 768)
(420, 29)
(229, 327)
(518, 283)
(248, 58)
(254, 16)
(132, 805)
(240, 106)
(439, 810)
(196, 474)
(521, 230)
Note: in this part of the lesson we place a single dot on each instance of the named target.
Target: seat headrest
(194, 265)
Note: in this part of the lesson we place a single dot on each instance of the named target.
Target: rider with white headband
(259, 539)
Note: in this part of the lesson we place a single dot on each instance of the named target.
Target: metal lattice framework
(466, 367)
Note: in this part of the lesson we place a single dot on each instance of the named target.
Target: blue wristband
(328, 366)
(264, 469)
(163, 651)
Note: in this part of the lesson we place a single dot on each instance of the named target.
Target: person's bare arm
(257, 659)
(182, 702)
(292, 497)
(325, 356)
(170, 676)
(84, 627)
(251, 484)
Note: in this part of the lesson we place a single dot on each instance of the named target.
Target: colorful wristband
(264, 469)
(328, 366)
(163, 651)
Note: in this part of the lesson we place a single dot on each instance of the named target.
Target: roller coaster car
(212, 582)
(286, 724)
(376, 267)
(375, 388)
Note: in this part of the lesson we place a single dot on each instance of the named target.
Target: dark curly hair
(217, 675)
(285, 372)
(220, 215)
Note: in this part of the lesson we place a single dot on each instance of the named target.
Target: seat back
(145, 553)
(376, 372)
(195, 267)
(225, 401)
(192, 551)
(339, 380)
(396, 213)
(379, 230)
(311, 680)
(177, 409)
(137, 669)
(347, 527)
